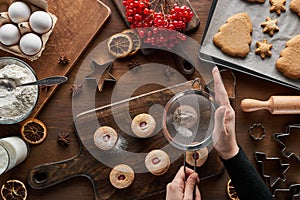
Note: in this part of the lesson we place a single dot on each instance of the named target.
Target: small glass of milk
(13, 151)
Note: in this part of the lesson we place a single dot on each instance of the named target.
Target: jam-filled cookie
(200, 156)
(143, 125)
(105, 137)
(121, 176)
(157, 162)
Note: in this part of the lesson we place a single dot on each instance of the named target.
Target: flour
(19, 102)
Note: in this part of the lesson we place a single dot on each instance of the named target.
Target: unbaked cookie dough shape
(234, 37)
(289, 61)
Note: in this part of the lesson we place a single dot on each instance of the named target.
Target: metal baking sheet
(289, 26)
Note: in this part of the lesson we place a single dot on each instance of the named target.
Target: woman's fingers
(181, 174)
(219, 120)
(198, 195)
(219, 89)
(190, 186)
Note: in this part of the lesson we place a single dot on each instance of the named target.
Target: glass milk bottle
(13, 151)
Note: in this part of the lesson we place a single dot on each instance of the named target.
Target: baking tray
(288, 23)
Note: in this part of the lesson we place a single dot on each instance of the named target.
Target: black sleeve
(246, 180)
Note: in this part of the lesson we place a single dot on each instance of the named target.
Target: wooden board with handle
(97, 164)
(77, 25)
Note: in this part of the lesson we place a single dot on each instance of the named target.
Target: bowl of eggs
(25, 28)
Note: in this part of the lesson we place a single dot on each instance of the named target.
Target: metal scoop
(11, 84)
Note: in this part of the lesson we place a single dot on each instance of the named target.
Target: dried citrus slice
(120, 45)
(33, 131)
(13, 190)
(135, 39)
(231, 192)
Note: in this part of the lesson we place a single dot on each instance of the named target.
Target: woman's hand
(223, 135)
(181, 189)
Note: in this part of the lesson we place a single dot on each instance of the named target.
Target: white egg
(30, 44)
(19, 12)
(9, 34)
(40, 22)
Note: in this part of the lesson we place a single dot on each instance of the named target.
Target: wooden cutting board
(78, 23)
(95, 164)
(190, 26)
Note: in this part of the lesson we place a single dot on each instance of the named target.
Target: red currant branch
(158, 14)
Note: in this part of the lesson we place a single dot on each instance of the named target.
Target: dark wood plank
(96, 164)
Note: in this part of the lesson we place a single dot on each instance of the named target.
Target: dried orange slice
(33, 131)
(231, 192)
(13, 190)
(135, 39)
(120, 45)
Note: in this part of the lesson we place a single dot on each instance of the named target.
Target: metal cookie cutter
(229, 81)
(270, 167)
(293, 193)
(257, 131)
(288, 141)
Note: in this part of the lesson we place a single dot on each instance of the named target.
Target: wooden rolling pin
(275, 105)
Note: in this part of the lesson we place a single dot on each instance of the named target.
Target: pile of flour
(21, 100)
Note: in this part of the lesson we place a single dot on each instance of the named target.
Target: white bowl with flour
(18, 104)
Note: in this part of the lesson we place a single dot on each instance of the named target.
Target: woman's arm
(246, 180)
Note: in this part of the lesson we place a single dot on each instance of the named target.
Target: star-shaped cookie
(101, 73)
(278, 6)
(270, 26)
(263, 48)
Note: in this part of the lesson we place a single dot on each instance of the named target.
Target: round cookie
(143, 125)
(121, 176)
(105, 137)
(201, 156)
(185, 116)
(157, 162)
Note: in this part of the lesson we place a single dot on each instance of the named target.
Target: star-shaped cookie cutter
(262, 160)
(101, 73)
(257, 131)
(293, 131)
(293, 192)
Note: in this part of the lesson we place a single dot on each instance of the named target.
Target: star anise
(63, 138)
(134, 65)
(63, 60)
(76, 89)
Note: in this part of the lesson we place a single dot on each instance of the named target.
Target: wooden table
(57, 115)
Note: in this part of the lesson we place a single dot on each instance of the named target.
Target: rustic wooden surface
(73, 32)
(57, 115)
(132, 154)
